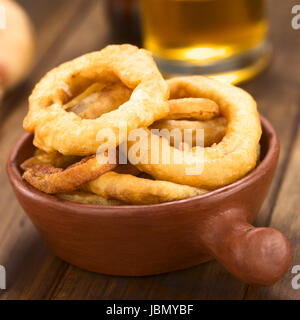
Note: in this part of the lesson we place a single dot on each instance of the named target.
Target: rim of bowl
(15, 176)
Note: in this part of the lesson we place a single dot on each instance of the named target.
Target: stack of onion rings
(121, 84)
(225, 162)
(55, 129)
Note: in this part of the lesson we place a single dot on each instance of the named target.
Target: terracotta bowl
(153, 239)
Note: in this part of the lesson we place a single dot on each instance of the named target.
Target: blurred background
(251, 43)
(230, 40)
(225, 39)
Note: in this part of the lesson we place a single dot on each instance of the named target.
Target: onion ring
(225, 162)
(98, 99)
(214, 130)
(45, 177)
(196, 108)
(88, 198)
(55, 159)
(58, 130)
(140, 191)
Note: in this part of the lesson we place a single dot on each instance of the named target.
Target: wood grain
(283, 110)
(32, 270)
(286, 218)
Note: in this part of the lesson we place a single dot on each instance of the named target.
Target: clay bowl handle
(259, 256)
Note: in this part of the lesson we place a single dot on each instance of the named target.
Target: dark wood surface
(68, 28)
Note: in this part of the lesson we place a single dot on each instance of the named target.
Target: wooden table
(66, 29)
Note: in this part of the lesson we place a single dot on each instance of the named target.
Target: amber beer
(209, 36)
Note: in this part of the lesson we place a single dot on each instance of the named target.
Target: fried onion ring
(140, 191)
(214, 130)
(55, 159)
(99, 99)
(45, 177)
(225, 162)
(88, 198)
(196, 108)
(58, 130)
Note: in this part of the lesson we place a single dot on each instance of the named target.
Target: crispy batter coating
(55, 159)
(192, 108)
(139, 191)
(225, 162)
(214, 130)
(58, 130)
(45, 177)
(88, 198)
(98, 99)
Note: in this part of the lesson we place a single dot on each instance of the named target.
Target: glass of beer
(225, 39)
(124, 21)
